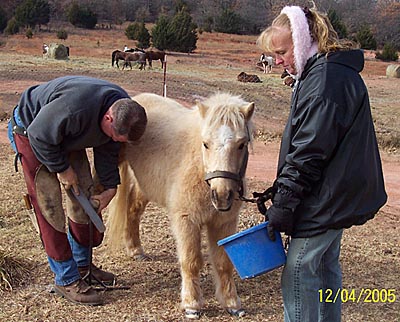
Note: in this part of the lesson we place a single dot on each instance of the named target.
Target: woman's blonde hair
(321, 31)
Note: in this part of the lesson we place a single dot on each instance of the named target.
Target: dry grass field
(370, 253)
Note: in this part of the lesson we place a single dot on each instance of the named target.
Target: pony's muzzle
(222, 193)
(223, 185)
(222, 203)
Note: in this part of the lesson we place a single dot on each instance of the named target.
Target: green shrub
(3, 19)
(229, 22)
(132, 31)
(143, 37)
(29, 33)
(81, 16)
(365, 38)
(12, 27)
(62, 34)
(337, 23)
(389, 53)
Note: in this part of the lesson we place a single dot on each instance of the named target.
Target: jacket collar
(353, 59)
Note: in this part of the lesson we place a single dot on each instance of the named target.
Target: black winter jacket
(64, 115)
(329, 155)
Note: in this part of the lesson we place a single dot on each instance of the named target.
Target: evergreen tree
(33, 12)
(143, 37)
(337, 24)
(389, 53)
(229, 22)
(184, 31)
(365, 38)
(3, 19)
(161, 34)
(81, 16)
(12, 27)
(132, 31)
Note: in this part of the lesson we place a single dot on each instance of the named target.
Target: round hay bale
(393, 71)
(57, 51)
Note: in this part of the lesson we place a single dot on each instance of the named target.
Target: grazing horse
(267, 62)
(155, 55)
(128, 58)
(192, 162)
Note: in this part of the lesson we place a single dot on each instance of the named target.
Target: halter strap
(230, 175)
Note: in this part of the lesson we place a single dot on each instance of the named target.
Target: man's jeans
(10, 130)
(312, 268)
(66, 272)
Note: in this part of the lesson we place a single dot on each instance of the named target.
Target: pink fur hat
(303, 45)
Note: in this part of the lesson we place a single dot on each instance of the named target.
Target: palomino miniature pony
(129, 57)
(192, 162)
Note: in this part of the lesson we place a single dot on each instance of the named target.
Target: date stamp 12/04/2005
(364, 295)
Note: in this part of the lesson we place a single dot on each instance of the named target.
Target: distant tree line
(373, 23)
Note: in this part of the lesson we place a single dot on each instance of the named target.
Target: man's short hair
(129, 118)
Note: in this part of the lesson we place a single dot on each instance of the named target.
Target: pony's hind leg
(225, 288)
(188, 240)
(136, 209)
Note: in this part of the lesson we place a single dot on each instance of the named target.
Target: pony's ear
(248, 111)
(202, 108)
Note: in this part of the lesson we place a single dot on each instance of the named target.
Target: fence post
(165, 77)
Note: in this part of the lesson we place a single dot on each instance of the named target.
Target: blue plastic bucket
(252, 253)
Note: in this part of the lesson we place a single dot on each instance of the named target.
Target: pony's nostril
(230, 196)
(214, 195)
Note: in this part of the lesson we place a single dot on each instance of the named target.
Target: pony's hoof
(238, 313)
(192, 314)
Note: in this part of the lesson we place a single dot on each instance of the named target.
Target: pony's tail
(118, 208)
(113, 57)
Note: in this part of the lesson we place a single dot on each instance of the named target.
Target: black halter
(230, 175)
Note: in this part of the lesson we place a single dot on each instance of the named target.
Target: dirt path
(263, 162)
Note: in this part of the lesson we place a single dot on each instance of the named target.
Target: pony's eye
(241, 146)
(205, 145)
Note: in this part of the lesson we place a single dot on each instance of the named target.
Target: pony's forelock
(224, 109)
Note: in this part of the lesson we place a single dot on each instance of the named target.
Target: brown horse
(155, 55)
(128, 57)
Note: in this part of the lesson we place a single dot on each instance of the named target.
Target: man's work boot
(97, 274)
(79, 292)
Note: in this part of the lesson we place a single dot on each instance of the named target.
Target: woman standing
(329, 173)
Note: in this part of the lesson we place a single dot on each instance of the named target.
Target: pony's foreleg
(188, 240)
(225, 288)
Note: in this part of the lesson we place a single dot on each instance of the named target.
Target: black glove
(281, 214)
(280, 219)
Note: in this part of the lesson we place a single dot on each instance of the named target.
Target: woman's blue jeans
(312, 267)
(66, 272)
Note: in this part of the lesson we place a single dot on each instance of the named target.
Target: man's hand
(103, 199)
(69, 179)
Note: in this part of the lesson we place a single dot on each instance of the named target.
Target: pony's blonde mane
(224, 109)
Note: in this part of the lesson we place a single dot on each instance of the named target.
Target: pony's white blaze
(225, 136)
(222, 156)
